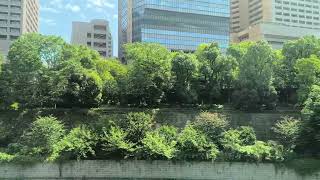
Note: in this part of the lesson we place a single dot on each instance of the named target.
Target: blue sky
(56, 16)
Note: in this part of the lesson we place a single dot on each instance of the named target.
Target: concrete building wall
(95, 34)
(146, 170)
(16, 18)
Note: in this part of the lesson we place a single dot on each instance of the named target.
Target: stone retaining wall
(91, 170)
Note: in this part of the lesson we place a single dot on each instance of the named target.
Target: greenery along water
(45, 71)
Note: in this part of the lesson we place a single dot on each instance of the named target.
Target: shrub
(79, 143)
(42, 135)
(211, 124)
(247, 135)
(6, 158)
(194, 145)
(161, 143)
(243, 136)
(241, 145)
(287, 131)
(114, 142)
(137, 125)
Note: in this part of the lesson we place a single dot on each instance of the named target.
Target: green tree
(307, 75)
(79, 87)
(292, 51)
(40, 138)
(309, 136)
(239, 50)
(114, 77)
(217, 72)
(184, 72)
(149, 72)
(25, 75)
(256, 78)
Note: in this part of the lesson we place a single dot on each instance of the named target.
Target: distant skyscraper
(95, 34)
(274, 20)
(17, 17)
(177, 24)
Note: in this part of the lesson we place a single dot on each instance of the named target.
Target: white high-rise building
(95, 34)
(17, 17)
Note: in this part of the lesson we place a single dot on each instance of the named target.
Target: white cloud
(49, 22)
(72, 7)
(48, 9)
(100, 4)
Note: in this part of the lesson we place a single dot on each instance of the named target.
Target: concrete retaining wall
(92, 170)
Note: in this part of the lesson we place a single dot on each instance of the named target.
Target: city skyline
(56, 16)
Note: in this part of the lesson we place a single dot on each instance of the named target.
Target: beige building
(274, 20)
(17, 17)
(95, 34)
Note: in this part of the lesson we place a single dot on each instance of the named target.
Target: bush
(194, 145)
(161, 143)
(6, 158)
(241, 145)
(115, 144)
(211, 124)
(243, 136)
(79, 143)
(287, 131)
(137, 125)
(41, 137)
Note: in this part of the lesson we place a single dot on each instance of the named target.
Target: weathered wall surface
(152, 170)
(17, 121)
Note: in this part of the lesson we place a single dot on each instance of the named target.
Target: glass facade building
(177, 24)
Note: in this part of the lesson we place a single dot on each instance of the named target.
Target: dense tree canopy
(255, 81)
(149, 72)
(45, 71)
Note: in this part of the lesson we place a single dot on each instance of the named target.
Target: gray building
(275, 21)
(177, 24)
(95, 34)
(17, 17)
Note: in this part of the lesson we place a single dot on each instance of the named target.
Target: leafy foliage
(79, 143)
(194, 145)
(149, 72)
(137, 125)
(40, 138)
(114, 142)
(185, 69)
(287, 131)
(241, 145)
(161, 143)
(256, 78)
(309, 136)
(211, 124)
(307, 74)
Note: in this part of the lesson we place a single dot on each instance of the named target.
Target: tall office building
(17, 17)
(276, 21)
(177, 24)
(95, 34)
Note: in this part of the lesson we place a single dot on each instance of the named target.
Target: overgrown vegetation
(46, 72)
(136, 137)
